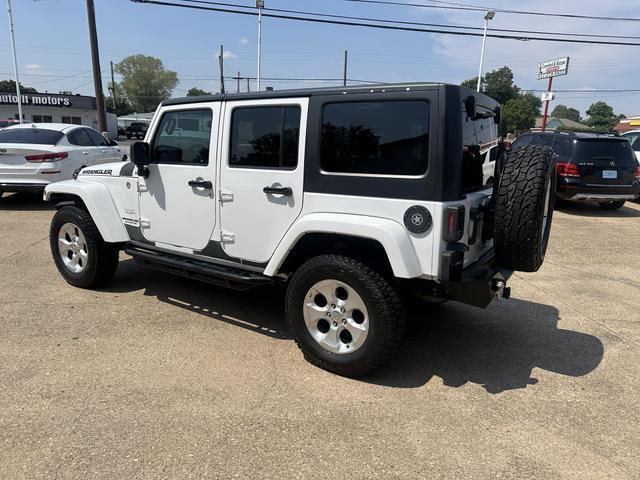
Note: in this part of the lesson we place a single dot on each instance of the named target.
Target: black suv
(591, 166)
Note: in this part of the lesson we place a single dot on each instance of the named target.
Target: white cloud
(33, 67)
(226, 55)
(243, 40)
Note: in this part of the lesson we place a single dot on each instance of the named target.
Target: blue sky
(53, 50)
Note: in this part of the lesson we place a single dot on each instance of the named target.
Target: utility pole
(489, 16)
(15, 61)
(221, 63)
(238, 78)
(259, 6)
(113, 87)
(248, 87)
(346, 56)
(95, 60)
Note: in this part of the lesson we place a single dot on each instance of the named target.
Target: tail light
(638, 171)
(453, 224)
(567, 170)
(47, 157)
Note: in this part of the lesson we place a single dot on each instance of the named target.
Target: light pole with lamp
(259, 6)
(489, 16)
(15, 61)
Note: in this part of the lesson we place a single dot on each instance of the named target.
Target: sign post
(550, 69)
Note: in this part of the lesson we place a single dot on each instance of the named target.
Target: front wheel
(611, 205)
(83, 258)
(344, 316)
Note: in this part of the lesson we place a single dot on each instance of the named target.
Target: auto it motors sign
(553, 68)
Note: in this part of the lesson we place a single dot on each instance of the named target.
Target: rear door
(106, 153)
(87, 152)
(605, 161)
(261, 174)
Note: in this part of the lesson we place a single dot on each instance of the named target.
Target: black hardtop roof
(308, 92)
(579, 135)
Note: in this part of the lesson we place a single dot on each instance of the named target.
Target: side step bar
(234, 278)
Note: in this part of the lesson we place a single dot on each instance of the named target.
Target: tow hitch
(500, 289)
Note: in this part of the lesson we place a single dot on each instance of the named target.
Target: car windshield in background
(38, 136)
(596, 149)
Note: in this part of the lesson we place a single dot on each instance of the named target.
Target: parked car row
(34, 155)
(590, 166)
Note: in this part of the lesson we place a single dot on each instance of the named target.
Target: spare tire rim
(545, 211)
(72, 247)
(336, 316)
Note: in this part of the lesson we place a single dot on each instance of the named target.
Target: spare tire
(525, 198)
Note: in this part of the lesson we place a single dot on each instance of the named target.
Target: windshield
(38, 136)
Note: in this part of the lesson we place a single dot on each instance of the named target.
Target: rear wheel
(83, 258)
(344, 316)
(612, 205)
(525, 199)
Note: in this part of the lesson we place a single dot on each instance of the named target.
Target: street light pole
(489, 16)
(15, 61)
(259, 6)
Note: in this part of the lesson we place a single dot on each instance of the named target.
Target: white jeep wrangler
(350, 197)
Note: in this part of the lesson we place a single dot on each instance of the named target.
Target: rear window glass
(544, 140)
(586, 150)
(563, 147)
(386, 138)
(39, 136)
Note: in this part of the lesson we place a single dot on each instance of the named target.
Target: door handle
(104, 151)
(85, 153)
(285, 191)
(201, 184)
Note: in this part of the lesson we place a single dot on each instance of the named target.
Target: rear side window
(375, 138)
(592, 150)
(80, 137)
(265, 137)
(39, 136)
(183, 137)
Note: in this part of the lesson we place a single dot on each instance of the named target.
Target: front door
(261, 174)
(177, 204)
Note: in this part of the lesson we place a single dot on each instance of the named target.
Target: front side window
(80, 137)
(183, 137)
(97, 139)
(265, 137)
(379, 138)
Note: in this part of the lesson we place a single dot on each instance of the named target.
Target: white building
(58, 108)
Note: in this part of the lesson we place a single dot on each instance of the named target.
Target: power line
(475, 8)
(384, 27)
(405, 22)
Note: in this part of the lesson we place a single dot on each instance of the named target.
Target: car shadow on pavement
(497, 347)
(22, 202)
(589, 209)
(259, 310)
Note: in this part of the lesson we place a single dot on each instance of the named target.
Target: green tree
(197, 92)
(9, 86)
(562, 111)
(145, 82)
(497, 84)
(520, 113)
(601, 116)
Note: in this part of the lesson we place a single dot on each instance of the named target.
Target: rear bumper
(572, 189)
(23, 187)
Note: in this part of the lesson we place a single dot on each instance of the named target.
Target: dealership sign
(553, 68)
(49, 100)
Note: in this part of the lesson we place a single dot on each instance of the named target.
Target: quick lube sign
(553, 68)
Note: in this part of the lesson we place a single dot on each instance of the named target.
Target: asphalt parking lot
(158, 377)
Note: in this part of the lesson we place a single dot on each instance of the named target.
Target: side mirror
(498, 115)
(470, 106)
(113, 143)
(140, 157)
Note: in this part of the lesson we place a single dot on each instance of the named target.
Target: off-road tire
(613, 205)
(102, 256)
(387, 318)
(525, 193)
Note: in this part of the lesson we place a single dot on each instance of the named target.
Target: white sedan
(34, 155)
